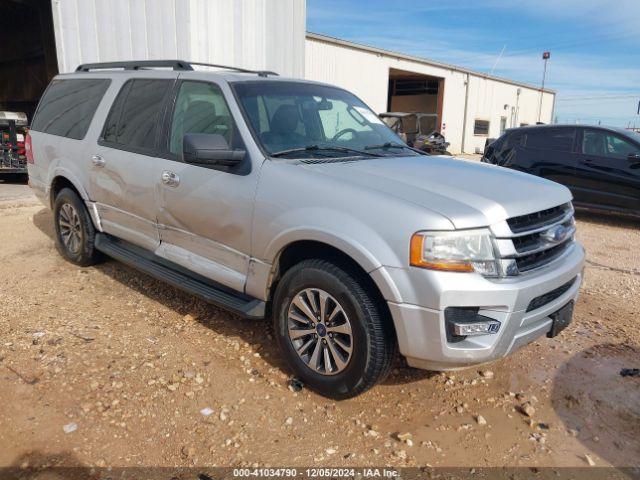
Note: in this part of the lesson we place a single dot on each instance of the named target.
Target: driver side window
(200, 108)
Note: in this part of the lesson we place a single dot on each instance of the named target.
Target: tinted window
(135, 115)
(514, 139)
(551, 139)
(605, 144)
(481, 127)
(68, 106)
(200, 108)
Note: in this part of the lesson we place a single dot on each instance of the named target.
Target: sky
(594, 44)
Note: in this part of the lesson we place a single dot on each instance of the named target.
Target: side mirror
(209, 150)
(634, 157)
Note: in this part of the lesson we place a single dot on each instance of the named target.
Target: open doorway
(28, 54)
(415, 92)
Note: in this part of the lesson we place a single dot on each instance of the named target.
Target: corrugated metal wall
(366, 73)
(260, 34)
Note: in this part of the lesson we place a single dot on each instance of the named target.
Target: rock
(401, 454)
(295, 384)
(224, 414)
(289, 421)
(330, 451)
(188, 451)
(481, 420)
(487, 374)
(403, 437)
(70, 427)
(188, 318)
(409, 442)
(527, 409)
(589, 460)
(460, 409)
(371, 433)
(206, 411)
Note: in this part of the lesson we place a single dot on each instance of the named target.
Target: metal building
(40, 38)
(471, 106)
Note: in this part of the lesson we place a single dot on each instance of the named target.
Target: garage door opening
(414, 92)
(28, 54)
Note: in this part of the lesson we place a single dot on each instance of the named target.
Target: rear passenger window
(135, 115)
(68, 106)
(560, 140)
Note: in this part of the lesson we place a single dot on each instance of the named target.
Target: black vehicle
(600, 165)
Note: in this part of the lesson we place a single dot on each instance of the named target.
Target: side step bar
(179, 277)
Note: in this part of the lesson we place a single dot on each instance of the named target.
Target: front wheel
(331, 329)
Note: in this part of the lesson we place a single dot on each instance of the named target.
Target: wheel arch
(380, 285)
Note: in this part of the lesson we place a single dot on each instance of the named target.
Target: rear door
(124, 163)
(550, 153)
(605, 176)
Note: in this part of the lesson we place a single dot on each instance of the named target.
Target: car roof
(619, 130)
(227, 76)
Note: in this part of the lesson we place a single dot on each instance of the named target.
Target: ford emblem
(556, 234)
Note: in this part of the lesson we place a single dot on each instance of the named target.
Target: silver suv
(291, 200)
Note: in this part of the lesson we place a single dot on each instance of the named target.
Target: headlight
(463, 251)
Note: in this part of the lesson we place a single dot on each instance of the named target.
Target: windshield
(306, 120)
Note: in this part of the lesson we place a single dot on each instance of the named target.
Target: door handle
(98, 161)
(170, 179)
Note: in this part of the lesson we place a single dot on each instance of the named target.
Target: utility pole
(545, 57)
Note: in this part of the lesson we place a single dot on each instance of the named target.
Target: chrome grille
(531, 241)
(537, 219)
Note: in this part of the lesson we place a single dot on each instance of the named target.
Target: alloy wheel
(320, 331)
(70, 228)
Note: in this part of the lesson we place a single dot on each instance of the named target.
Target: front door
(205, 214)
(124, 160)
(605, 175)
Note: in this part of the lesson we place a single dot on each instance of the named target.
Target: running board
(180, 277)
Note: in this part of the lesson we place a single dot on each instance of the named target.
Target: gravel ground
(104, 366)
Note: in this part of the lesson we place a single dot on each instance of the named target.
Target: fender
(261, 273)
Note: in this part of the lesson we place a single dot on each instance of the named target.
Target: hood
(468, 193)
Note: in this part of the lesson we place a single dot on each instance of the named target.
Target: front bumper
(420, 321)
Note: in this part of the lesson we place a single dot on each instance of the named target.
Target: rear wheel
(331, 329)
(75, 233)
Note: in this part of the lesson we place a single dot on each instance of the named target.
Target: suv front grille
(531, 241)
(537, 219)
(540, 259)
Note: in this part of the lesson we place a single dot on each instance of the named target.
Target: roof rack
(180, 65)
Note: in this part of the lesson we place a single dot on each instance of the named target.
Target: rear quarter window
(560, 139)
(68, 106)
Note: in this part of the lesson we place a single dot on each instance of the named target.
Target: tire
(75, 233)
(371, 340)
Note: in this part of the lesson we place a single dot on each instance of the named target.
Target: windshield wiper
(323, 148)
(388, 145)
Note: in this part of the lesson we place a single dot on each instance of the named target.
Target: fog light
(480, 328)
(462, 322)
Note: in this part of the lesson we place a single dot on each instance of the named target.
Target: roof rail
(135, 65)
(174, 64)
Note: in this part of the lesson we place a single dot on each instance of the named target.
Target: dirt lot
(106, 366)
